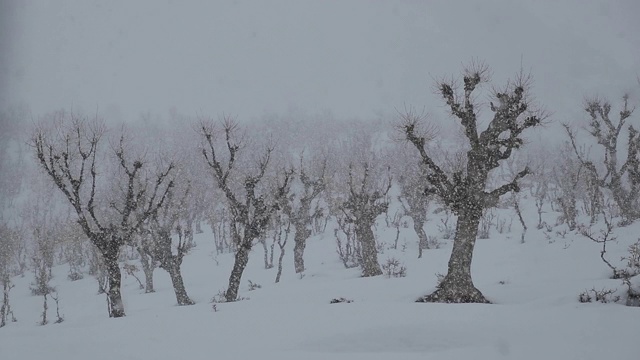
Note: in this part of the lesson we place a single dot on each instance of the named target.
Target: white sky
(354, 58)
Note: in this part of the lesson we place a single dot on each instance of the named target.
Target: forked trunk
(241, 260)
(457, 286)
(370, 266)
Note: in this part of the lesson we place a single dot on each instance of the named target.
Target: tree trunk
(178, 285)
(370, 266)
(418, 227)
(116, 306)
(300, 240)
(267, 265)
(147, 268)
(241, 260)
(282, 250)
(4, 310)
(457, 286)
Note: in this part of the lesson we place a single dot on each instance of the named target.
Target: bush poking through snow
(433, 242)
(254, 286)
(604, 296)
(393, 268)
(340, 300)
(131, 269)
(220, 297)
(633, 260)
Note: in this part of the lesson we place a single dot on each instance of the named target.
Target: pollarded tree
(70, 153)
(163, 223)
(365, 202)
(251, 205)
(409, 174)
(625, 192)
(311, 184)
(465, 192)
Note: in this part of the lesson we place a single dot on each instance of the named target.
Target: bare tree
(299, 208)
(409, 175)
(144, 245)
(282, 224)
(12, 245)
(607, 132)
(366, 200)
(251, 207)
(7, 248)
(163, 223)
(68, 153)
(465, 191)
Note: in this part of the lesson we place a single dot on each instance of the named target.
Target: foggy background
(350, 58)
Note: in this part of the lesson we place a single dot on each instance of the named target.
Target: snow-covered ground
(534, 287)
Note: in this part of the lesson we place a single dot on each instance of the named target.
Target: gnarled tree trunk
(300, 240)
(464, 191)
(370, 265)
(114, 295)
(457, 286)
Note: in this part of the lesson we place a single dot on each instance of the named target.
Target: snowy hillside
(534, 287)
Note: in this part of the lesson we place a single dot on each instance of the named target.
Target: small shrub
(131, 269)
(41, 290)
(393, 268)
(433, 242)
(75, 276)
(340, 300)
(603, 296)
(633, 260)
(220, 297)
(254, 286)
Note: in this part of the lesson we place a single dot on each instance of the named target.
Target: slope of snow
(534, 287)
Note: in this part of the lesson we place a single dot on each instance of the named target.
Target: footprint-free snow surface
(534, 288)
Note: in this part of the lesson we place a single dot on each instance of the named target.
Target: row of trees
(133, 199)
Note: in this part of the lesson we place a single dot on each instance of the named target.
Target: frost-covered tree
(623, 181)
(465, 192)
(366, 200)
(409, 173)
(358, 194)
(163, 224)
(12, 245)
(250, 201)
(70, 151)
(8, 238)
(308, 185)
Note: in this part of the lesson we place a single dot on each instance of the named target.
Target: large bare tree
(251, 205)
(70, 153)
(465, 191)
